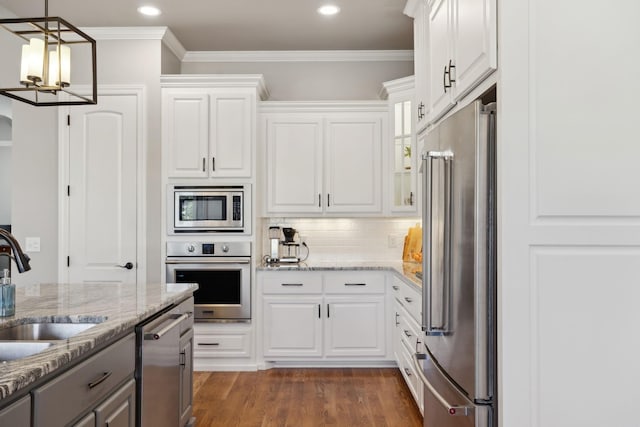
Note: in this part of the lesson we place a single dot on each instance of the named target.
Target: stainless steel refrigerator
(458, 362)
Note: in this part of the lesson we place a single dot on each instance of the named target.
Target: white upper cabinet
(353, 170)
(209, 125)
(294, 159)
(321, 162)
(419, 11)
(455, 47)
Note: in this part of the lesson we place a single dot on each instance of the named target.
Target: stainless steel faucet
(21, 259)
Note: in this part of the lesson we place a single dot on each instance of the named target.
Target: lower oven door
(224, 287)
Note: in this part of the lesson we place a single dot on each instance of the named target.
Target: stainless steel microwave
(199, 209)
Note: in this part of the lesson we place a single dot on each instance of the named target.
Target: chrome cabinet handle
(211, 344)
(355, 284)
(328, 199)
(407, 333)
(407, 371)
(453, 410)
(411, 198)
(319, 200)
(451, 66)
(204, 164)
(409, 300)
(444, 80)
(395, 288)
(291, 284)
(100, 380)
(397, 316)
(213, 164)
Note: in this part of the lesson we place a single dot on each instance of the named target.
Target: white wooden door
(353, 167)
(474, 43)
(292, 326)
(294, 165)
(185, 121)
(102, 209)
(231, 127)
(355, 326)
(440, 55)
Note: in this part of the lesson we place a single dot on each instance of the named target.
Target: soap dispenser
(7, 295)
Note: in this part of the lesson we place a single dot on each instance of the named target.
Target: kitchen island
(114, 309)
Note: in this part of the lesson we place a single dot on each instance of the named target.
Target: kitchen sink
(19, 349)
(43, 331)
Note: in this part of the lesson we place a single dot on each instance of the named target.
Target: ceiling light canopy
(43, 49)
(149, 10)
(328, 9)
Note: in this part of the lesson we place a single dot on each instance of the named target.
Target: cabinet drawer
(62, 399)
(222, 345)
(18, 414)
(408, 372)
(412, 301)
(292, 283)
(410, 332)
(354, 282)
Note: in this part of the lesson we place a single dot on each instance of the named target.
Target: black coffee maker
(290, 246)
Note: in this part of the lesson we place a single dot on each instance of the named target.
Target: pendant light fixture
(44, 48)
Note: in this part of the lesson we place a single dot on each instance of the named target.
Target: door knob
(128, 266)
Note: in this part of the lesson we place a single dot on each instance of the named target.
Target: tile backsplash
(347, 239)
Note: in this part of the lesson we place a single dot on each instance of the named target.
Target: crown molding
(139, 33)
(300, 56)
(411, 7)
(255, 81)
(397, 85)
(322, 106)
(174, 45)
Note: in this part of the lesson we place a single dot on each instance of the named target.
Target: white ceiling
(251, 25)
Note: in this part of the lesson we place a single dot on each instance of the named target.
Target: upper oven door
(224, 286)
(208, 210)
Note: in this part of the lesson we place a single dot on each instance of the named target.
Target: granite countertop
(404, 270)
(116, 308)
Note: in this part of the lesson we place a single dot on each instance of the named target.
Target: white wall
(5, 184)
(311, 81)
(346, 239)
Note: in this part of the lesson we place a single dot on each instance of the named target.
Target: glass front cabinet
(403, 155)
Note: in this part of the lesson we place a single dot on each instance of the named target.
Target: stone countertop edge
(403, 270)
(116, 308)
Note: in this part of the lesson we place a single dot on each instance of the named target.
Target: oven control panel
(213, 249)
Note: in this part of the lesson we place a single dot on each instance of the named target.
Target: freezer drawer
(444, 404)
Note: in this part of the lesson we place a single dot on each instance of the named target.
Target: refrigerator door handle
(441, 327)
(453, 410)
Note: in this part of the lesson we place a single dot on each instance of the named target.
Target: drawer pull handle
(395, 288)
(99, 381)
(407, 299)
(397, 316)
(209, 343)
(291, 284)
(159, 334)
(407, 371)
(355, 284)
(407, 333)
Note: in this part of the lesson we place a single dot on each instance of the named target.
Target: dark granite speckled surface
(403, 270)
(116, 309)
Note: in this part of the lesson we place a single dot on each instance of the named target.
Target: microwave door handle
(228, 261)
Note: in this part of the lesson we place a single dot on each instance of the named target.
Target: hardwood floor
(304, 398)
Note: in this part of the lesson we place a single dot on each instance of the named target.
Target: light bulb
(328, 9)
(36, 60)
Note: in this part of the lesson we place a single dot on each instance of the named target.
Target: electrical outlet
(32, 244)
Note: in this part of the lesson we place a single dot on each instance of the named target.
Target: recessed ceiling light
(328, 9)
(149, 10)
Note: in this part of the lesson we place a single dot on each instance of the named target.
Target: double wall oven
(223, 273)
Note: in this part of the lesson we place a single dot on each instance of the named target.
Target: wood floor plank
(319, 397)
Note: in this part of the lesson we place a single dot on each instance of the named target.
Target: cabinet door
(186, 132)
(186, 376)
(88, 421)
(231, 127)
(355, 326)
(294, 165)
(292, 326)
(421, 63)
(474, 41)
(353, 169)
(17, 414)
(120, 409)
(440, 55)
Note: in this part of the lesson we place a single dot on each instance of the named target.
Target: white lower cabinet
(222, 346)
(323, 315)
(407, 335)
